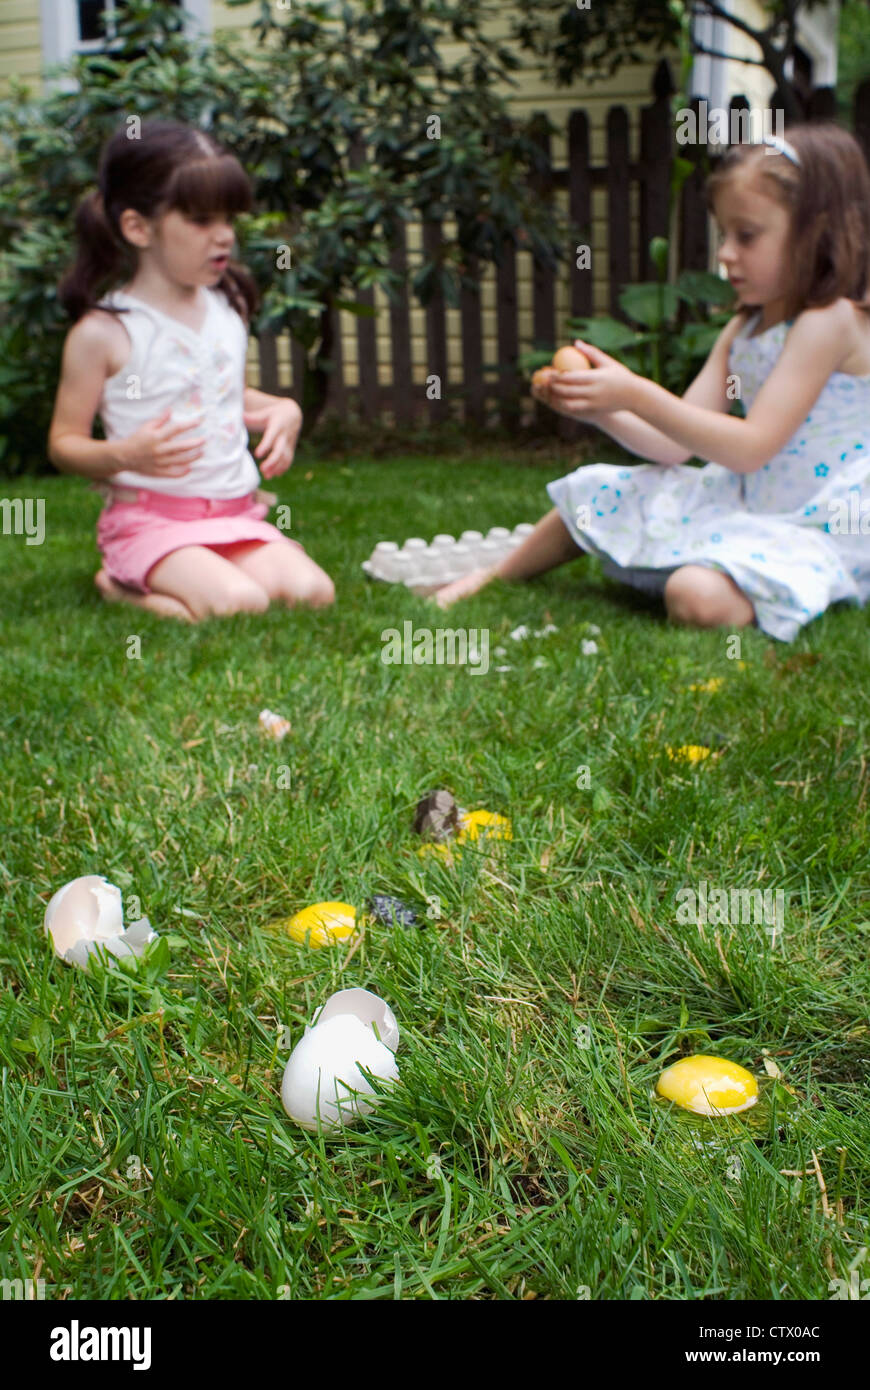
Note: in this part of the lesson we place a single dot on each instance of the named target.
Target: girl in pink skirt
(158, 350)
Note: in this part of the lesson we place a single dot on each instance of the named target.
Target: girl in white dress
(777, 526)
(161, 358)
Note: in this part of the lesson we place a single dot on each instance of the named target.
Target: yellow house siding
(225, 18)
(20, 47)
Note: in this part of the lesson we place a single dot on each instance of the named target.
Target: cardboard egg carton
(424, 567)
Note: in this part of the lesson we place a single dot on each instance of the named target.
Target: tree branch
(714, 53)
(761, 36)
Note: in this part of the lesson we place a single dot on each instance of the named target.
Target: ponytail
(240, 288)
(100, 257)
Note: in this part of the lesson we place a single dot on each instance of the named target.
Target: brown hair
(828, 197)
(168, 166)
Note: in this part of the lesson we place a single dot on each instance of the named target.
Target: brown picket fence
(483, 393)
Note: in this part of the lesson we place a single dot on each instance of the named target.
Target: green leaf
(605, 332)
(353, 306)
(649, 303)
(703, 287)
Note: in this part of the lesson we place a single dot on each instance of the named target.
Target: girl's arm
(638, 437)
(625, 427)
(89, 357)
(707, 390)
(258, 400)
(84, 369)
(813, 349)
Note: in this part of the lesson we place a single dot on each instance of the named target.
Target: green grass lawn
(144, 1150)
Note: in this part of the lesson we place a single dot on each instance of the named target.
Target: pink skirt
(134, 535)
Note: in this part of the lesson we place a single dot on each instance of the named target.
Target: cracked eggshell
(87, 908)
(368, 1008)
(323, 1070)
(86, 914)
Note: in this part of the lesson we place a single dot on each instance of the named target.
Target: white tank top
(173, 366)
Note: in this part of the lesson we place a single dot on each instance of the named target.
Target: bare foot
(463, 587)
(161, 604)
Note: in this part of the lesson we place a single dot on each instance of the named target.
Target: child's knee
(322, 593)
(703, 597)
(314, 591)
(241, 596)
(682, 598)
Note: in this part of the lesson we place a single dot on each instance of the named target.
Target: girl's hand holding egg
(280, 424)
(589, 383)
(565, 359)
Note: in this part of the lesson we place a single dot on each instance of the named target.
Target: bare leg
(206, 583)
(702, 597)
(161, 604)
(549, 546)
(286, 573)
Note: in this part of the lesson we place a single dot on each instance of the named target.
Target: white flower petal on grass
(588, 648)
(519, 633)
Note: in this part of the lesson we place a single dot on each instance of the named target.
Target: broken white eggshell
(323, 1083)
(86, 915)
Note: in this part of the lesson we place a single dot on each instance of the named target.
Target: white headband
(782, 147)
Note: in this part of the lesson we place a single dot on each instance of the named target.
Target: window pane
(121, 4)
(92, 14)
(90, 19)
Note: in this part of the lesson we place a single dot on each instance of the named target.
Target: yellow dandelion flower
(688, 753)
(475, 823)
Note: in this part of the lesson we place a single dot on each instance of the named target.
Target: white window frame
(59, 28)
(708, 78)
(818, 35)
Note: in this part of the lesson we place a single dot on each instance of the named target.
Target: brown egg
(570, 359)
(541, 378)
